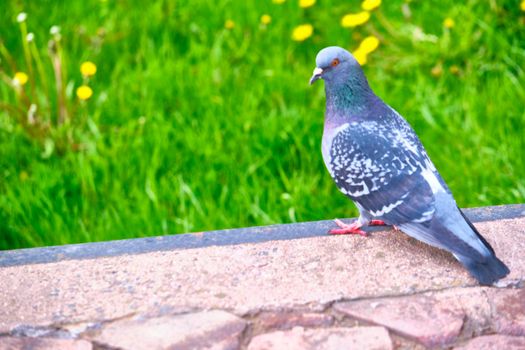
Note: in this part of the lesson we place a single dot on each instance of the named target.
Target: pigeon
(377, 160)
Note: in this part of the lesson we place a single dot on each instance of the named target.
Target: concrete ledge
(267, 290)
(211, 238)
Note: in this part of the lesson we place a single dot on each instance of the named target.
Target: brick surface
(432, 319)
(286, 320)
(508, 311)
(473, 303)
(13, 343)
(298, 338)
(494, 342)
(202, 330)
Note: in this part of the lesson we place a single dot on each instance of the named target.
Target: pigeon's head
(333, 62)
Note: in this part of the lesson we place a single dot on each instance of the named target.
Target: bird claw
(353, 228)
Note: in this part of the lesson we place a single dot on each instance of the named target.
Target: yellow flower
(88, 68)
(84, 92)
(437, 70)
(266, 19)
(23, 175)
(522, 5)
(302, 32)
(20, 78)
(306, 3)
(355, 19)
(361, 56)
(229, 24)
(369, 44)
(449, 22)
(278, 1)
(369, 5)
(454, 69)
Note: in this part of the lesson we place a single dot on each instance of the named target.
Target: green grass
(195, 127)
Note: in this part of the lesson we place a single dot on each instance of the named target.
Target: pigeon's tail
(473, 228)
(486, 272)
(464, 241)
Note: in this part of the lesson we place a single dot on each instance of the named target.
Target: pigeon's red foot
(377, 223)
(345, 229)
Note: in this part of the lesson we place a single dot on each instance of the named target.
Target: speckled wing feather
(383, 168)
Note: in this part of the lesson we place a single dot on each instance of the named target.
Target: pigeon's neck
(348, 98)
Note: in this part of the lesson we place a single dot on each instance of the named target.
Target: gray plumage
(377, 160)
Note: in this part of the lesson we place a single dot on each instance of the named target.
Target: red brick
(14, 343)
(298, 338)
(474, 305)
(422, 318)
(491, 342)
(287, 320)
(199, 330)
(432, 319)
(508, 311)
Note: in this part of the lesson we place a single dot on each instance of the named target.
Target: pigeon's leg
(366, 219)
(377, 223)
(353, 228)
(381, 223)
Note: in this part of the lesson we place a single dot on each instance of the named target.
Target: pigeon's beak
(316, 75)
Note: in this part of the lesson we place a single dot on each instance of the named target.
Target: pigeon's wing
(385, 170)
(406, 131)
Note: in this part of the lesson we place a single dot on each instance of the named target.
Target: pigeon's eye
(335, 62)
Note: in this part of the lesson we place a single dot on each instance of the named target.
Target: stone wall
(276, 287)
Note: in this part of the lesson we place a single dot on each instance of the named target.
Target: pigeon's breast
(329, 133)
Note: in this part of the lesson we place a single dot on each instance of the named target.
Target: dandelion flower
(522, 5)
(278, 1)
(369, 44)
(31, 113)
(369, 5)
(306, 3)
(23, 175)
(22, 16)
(84, 92)
(88, 69)
(302, 32)
(419, 35)
(266, 19)
(361, 56)
(437, 70)
(449, 22)
(229, 24)
(355, 19)
(454, 69)
(20, 78)
(54, 30)
(32, 109)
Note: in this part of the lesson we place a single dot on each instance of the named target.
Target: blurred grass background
(193, 126)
